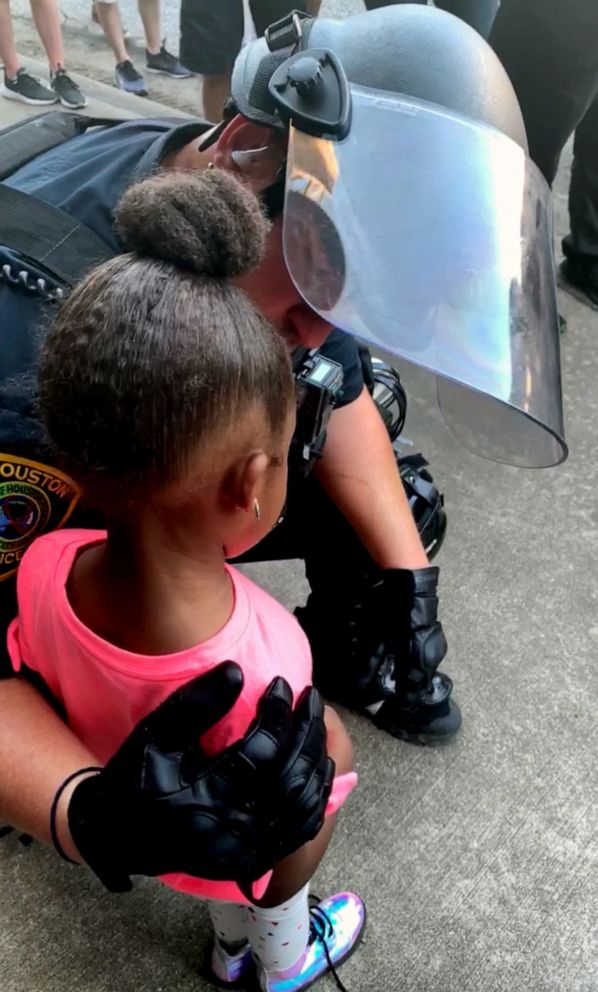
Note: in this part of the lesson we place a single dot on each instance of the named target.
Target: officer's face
(272, 291)
(256, 154)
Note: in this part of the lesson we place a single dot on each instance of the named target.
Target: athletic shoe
(337, 924)
(579, 276)
(67, 91)
(128, 79)
(27, 89)
(166, 64)
(228, 970)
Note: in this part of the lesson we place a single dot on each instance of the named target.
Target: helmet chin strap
(273, 196)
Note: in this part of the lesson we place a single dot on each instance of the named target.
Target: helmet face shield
(429, 237)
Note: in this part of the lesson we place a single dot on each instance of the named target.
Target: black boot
(377, 649)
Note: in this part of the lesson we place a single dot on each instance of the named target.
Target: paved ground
(479, 862)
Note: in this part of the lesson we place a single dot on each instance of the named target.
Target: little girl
(171, 402)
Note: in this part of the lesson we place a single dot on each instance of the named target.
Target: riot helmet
(413, 217)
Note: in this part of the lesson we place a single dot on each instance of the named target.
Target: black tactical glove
(377, 645)
(418, 638)
(417, 702)
(162, 805)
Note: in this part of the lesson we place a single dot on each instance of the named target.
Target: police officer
(528, 36)
(405, 224)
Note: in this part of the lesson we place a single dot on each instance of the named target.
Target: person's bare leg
(149, 11)
(216, 91)
(109, 18)
(292, 874)
(8, 52)
(46, 17)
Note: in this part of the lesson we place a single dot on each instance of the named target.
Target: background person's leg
(580, 247)
(216, 91)
(109, 18)
(211, 36)
(8, 52)
(550, 51)
(149, 11)
(46, 17)
(18, 84)
(583, 191)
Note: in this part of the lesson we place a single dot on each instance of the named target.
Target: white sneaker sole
(74, 106)
(11, 95)
(171, 75)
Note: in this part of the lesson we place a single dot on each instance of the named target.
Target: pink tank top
(106, 690)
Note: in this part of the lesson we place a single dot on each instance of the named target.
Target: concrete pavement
(478, 862)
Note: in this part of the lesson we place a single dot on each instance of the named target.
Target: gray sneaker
(27, 89)
(128, 79)
(166, 64)
(67, 91)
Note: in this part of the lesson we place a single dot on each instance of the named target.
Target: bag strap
(49, 236)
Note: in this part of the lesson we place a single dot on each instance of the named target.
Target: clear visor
(429, 237)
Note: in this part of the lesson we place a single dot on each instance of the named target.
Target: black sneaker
(579, 276)
(166, 64)
(27, 89)
(128, 79)
(67, 91)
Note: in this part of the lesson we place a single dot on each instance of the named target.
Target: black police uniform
(550, 50)
(85, 177)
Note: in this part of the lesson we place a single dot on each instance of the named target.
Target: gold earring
(256, 509)
(210, 165)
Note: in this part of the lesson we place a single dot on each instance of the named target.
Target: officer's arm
(359, 472)
(37, 753)
(161, 804)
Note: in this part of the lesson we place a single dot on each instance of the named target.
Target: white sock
(229, 920)
(279, 935)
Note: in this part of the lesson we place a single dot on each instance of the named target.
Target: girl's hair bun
(207, 221)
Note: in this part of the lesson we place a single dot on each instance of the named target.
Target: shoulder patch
(33, 498)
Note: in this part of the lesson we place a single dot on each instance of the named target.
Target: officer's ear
(252, 151)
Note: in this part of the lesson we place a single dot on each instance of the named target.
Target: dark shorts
(212, 30)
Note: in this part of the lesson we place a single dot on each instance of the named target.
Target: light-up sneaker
(229, 970)
(336, 927)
